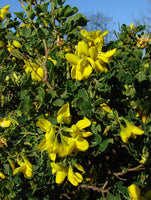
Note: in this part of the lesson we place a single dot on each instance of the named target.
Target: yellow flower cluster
(89, 55)
(63, 141)
(135, 193)
(57, 143)
(3, 12)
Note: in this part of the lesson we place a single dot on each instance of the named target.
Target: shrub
(75, 112)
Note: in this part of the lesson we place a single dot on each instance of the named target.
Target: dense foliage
(75, 113)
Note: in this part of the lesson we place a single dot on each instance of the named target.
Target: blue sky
(121, 11)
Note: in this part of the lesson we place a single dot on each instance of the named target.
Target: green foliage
(37, 81)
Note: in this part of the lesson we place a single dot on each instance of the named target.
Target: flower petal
(44, 124)
(134, 191)
(71, 58)
(60, 176)
(81, 124)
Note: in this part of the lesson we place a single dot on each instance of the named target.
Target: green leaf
(7, 167)
(97, 139)
(112, 197)
(20, 15)
(42, 33)
(11, 36)
(50, 67)
(103, 146)
(26, 32)
(141, 77)
(83, 94)
(26, 104)
(16, 53)
(41, 96)
(12, 24)
(58, 102)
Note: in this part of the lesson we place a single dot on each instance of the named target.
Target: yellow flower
(76, 130)
(78, 135)
(44, 124)
(94, 38)
(37, 72)
(2, 176)
(66, 146)
(64, 115)
(25, 167)
(74, 177)
(3, 12)
(130, 131)
(81, 63)
(17, 44)
(132, 25)
(48, 142)
(60, 170)
(5, 122)
(88, 57)
(135, 193)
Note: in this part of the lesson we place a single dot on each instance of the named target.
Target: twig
(118, 174)
(103, 189)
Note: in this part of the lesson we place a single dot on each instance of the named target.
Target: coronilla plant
(75, 112)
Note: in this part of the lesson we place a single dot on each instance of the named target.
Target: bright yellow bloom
(94, 38)
(64, 115)
(2, 176)
(106, 56)
(130, 131)
(25, 167)
(82, 64)
(3, 12)
(88, 56)
(79, 126)
(48, 142)
(5, 122)
(62, 171)
(132, 26)
(44, 124)
(37, 72)
(74, 177)
(78, 135)
(135, 193)
(17, 44)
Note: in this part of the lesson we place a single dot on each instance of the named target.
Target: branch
(102, 190)
(118, 174)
